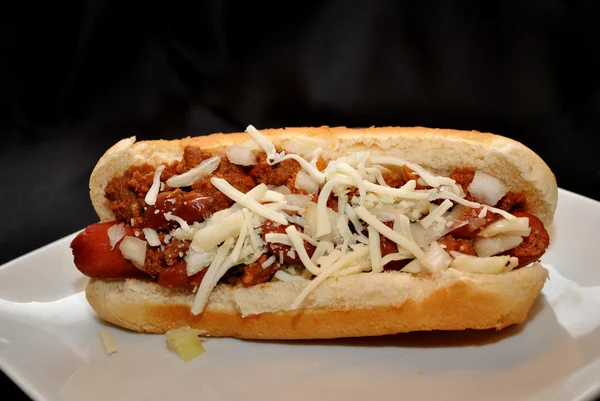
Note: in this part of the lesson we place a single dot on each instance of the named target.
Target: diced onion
(240, 155)
(311, 217)
(387, 213)
(282, 189)
(518, 226)
(134, 249)
(115, 233)
(184, 341)
(414, 266)
(298, 199)
(487, 189)
(306, 183)
(189, 177)
(436, 259)
(495, 245)
(151, 237)
(488, 265)
(212, 235)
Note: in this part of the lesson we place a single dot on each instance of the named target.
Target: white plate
(50, 343)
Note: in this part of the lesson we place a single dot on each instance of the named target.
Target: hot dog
(315, 232)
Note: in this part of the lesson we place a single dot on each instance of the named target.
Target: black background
(75, 77)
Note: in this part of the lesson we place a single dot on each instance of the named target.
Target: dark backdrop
(78, 76)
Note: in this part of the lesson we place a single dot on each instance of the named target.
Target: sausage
(461, 245)
(176, 276)
(255, 273)
(94, 257)
(275, 248)
(534, 245)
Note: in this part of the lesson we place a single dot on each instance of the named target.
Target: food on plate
(303, 233)
(184, 341)
(110, 346)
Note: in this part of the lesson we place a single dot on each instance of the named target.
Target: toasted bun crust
(350, 306)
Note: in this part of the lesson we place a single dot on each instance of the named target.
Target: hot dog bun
(350, 306)
(358, 305)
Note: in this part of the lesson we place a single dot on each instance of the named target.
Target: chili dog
(318, 232)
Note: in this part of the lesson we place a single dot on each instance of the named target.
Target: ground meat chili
(255, 273)
(125, 194)
(394, 179)
(283, 173)
(276, 248)
(197, 202)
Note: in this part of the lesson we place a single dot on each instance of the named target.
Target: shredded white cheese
(188, 178)
(211, 277)
(247, 201)
(407, 191)
(152, 194)
(384, 230)
(338, 265)
(375, 250)
(430, 179)
(255, 239)
(237, 249)
(171, 217)
(262, 141)
(360, 183)
(268, 262)
(298, 244)
(278, 238)
(436, 213)
(311, 170)
(323, 226)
